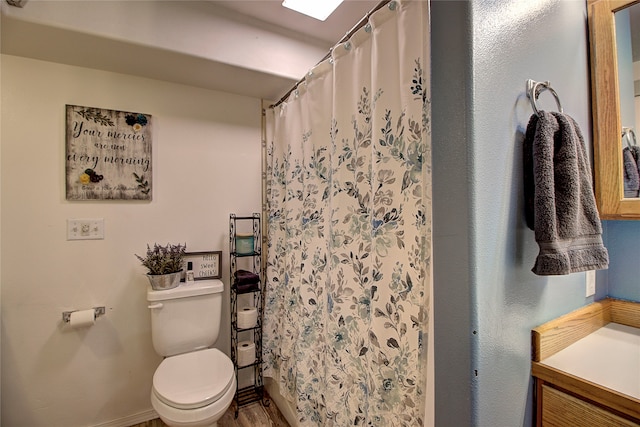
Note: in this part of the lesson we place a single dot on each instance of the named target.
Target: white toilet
(194, 385)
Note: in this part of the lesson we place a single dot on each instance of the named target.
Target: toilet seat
(193, 380)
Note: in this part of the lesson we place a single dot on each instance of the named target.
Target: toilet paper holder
(66, 315)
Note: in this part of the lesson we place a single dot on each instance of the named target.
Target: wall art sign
(108, 154)
(205, 265)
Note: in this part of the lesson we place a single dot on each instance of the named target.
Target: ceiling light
(319, 9)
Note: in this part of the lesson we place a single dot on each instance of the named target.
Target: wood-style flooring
(253, 415)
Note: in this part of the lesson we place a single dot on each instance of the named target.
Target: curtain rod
(363, 21)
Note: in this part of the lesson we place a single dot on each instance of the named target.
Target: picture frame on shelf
(205, 265)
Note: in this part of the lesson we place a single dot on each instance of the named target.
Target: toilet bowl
(193, 389)
(195, 383)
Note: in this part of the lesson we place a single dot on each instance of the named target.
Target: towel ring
(533, 91)
(629, 136)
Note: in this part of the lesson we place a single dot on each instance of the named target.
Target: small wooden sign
(108, 154)
(205, 265)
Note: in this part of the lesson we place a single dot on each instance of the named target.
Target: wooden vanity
(586, 366)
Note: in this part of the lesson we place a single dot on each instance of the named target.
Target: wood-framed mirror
(612, 82)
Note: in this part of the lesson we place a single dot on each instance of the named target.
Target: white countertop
(609, 357)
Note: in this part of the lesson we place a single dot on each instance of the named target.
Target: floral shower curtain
(349, 229)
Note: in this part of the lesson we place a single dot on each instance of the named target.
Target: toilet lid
(193, 380)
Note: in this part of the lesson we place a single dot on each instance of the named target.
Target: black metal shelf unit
(255, 392)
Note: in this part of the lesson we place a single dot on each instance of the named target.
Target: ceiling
(54, 38)
(348, 14)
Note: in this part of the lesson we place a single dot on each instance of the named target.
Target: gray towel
(559, 197)
(631, 176)
(635, 152)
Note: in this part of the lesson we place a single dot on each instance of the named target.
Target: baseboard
(130, 420)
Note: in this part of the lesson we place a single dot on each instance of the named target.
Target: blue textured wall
(486, 299)
(623, 243)
(451, 74)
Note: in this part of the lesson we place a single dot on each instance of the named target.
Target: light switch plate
(591, 282)
(85, 229)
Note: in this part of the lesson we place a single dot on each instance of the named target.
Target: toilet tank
(185, 318)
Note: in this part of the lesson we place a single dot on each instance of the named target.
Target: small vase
(161, 282)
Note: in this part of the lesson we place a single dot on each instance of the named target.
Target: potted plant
(164, 265)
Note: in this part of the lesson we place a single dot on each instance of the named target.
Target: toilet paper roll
(246, 353)
(247, 317)
(82, 318)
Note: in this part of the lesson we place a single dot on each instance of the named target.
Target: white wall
(206, 164)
